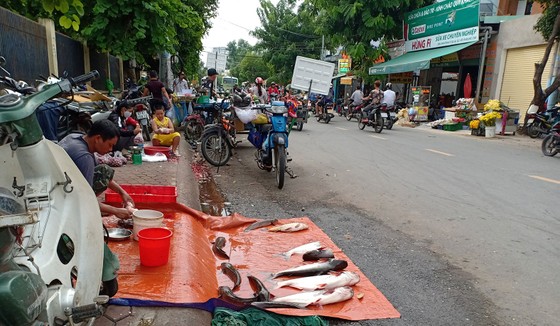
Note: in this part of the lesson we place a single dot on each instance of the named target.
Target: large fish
(260, 224)
(227, 294)
(321, 282)
(318, 254)
(218, 247)
(318, 298)
(232, 273)
(314, 269)
(290, 227)
(302, 249)
(260, 291)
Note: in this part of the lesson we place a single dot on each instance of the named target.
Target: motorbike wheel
(280, 164)
(389, 123)
(327, 118)
(378, 123)
(193, 131)
(145, 133)
(215, 149)
(361, 125)
(533, 130)
(299, 126)
(349, 116)
(550, 145)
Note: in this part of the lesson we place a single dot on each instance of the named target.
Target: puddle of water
(212, 201)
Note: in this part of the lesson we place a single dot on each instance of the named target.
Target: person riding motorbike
(375, 98)
(356, 97)
(389, 96)
(273, 90)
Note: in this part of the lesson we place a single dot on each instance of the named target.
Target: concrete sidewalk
(172, 173)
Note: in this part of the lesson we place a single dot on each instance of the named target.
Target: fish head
(338, 264)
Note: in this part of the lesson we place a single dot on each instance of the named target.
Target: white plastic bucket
(145, 218)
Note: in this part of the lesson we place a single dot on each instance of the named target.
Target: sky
(234, 21)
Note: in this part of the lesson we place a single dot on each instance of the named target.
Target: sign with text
(312, 75)
(442, 24)
(421, 101)
(344, 65)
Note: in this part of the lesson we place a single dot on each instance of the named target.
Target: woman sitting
(119, 116)
(164, 133)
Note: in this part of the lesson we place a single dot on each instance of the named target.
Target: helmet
(259, 80)
(272, 84)
(388, 86)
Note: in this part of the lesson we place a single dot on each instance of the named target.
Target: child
(164, 133)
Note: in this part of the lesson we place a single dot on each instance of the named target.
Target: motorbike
(51, 236)
(297, 113)
(551, 143)
(540, 123)
(375, 118)
(389, 115)
(354, 111)
(271, 142)
(219, 138)
(325, 115)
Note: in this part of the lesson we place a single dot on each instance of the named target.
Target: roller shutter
(517, 84)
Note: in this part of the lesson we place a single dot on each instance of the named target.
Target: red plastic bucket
(154, 246)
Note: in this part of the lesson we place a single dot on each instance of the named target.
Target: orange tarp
(193, 272)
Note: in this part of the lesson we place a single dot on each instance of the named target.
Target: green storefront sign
(441, 17)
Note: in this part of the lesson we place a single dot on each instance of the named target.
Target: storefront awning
(413, 61)
(338, 76)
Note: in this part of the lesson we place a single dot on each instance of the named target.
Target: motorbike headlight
(278, 109)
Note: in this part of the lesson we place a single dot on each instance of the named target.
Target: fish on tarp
(232, 273)
(260, 224)
(314, 269)
(321, 282)
(260, 291)
(302, 249)
(218, 247)
(318, 298)
(290, 227)
(318, 254)
(227, 293)
(272, 305)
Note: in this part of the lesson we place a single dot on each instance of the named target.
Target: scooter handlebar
(84, 78)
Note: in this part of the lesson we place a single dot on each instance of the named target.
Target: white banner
(436, 41)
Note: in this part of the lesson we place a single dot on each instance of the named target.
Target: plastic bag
(157, 157)
(138, 139)
(246, 115)
(172, 115)
(261, 119)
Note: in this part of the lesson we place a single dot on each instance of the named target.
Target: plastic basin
(152, 150)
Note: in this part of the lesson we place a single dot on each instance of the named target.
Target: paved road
(453, 229)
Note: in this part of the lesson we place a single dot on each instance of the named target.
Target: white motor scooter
(51, 235)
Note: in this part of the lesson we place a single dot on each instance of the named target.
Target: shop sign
(401, 78)
(421, 101)
(344, 65)
(450, 60)
(442, 24)
(395, 49)
(346, 81)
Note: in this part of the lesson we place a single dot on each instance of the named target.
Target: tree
(236, 52)
(549, 26)
(66, 12)
(356, 24)
(251, 67)
(285, 34)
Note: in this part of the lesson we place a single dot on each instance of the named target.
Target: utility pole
(323, 48)
(216, 62)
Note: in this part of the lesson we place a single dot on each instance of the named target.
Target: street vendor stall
(497, 118)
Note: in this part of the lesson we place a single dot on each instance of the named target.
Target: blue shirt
(77, 148)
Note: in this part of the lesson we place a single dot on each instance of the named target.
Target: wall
(23, 43)
(514, 33)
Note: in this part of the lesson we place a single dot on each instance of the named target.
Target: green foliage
(355, 24)
(285, 34)
(252, 66)
(236, 52)
(545, 23)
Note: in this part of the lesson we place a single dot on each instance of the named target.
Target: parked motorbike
(375, 118)
(218, 139)
(540, 123)
(325, 115)
(51, 236)
(551, 143)
(271, 141)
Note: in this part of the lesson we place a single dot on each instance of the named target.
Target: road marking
(545, 179)
(438, 152)
(374, 136)
(341, 128)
